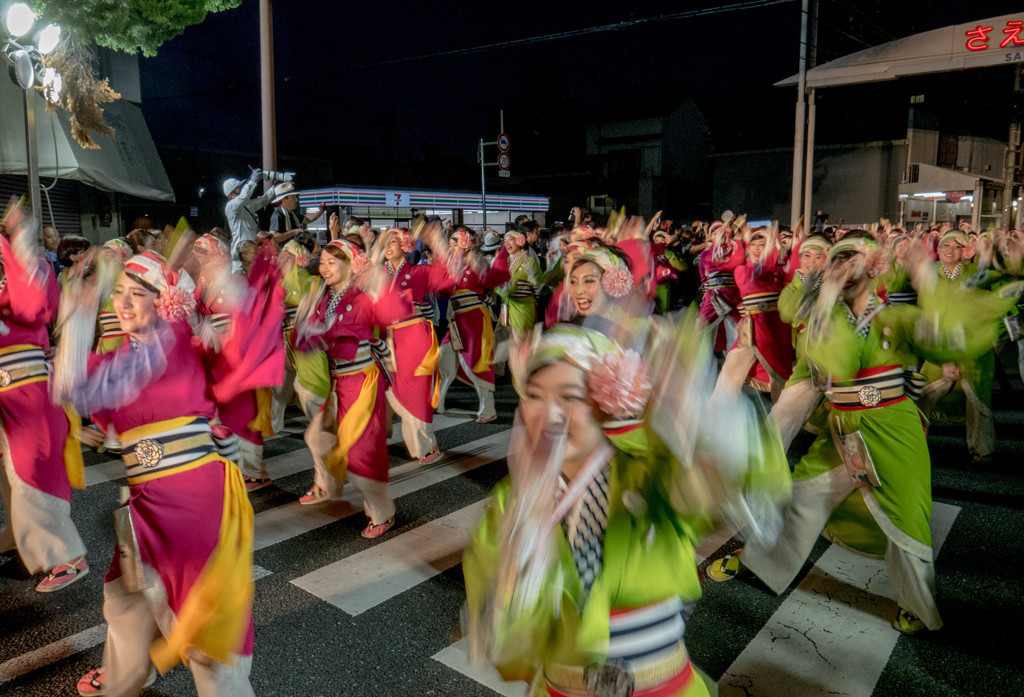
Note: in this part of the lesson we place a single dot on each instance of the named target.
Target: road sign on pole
(503, 142)
(504, 162)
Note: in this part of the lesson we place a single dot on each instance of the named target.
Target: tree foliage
(123, 25)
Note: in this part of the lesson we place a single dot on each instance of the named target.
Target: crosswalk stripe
(58, 650)
(292, 519)
(832, 634)
(456, 657)
(368, 578)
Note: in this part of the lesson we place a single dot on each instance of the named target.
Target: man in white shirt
(241, 212)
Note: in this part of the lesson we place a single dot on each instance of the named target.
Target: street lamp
(27, 61)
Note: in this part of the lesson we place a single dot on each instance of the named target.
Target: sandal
(486, 419)
(94, 683)
(433, 456)
(253, 484)
(373, 531)
(314, 495)
(63, 575)
(724, 569)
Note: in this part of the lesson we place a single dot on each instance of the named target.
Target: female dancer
(721, 301)
(763, 350)
(865, 348)
(343, 324)
(307, 373)
(180, 583)
(114, 253)
(467, 350)
(415, 388)
(42, 459)
(581, 574)
(519, 309)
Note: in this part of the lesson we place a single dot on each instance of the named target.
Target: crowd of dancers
(642, 425)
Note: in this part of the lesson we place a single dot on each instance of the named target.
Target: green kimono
(519, 294)
(311, 367)
(648, 557)
(956, 324)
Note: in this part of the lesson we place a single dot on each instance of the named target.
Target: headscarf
(175, 301)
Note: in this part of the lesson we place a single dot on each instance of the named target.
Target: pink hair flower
(175, 304)
(360, 265)
(617, 281)
(619, 384)
(877, 263)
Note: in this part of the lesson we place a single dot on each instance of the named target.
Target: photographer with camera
(286, 221)
(241, 211)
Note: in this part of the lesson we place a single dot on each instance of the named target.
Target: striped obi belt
(167, 447)
(20, 365)
(464, 301)
(521, 289)
(289, 318)
(720, 279)
(759, 303)
(368, 353)
(906, 298)
(873, 387)
(646, 657)
(110, 325)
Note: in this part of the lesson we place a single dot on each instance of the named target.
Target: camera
(279, 176)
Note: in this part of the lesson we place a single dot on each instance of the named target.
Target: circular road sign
(503, 142)
(504, 161)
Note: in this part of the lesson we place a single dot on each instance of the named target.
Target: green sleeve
(789, 300)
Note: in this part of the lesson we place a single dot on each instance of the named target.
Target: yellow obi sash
(22, 364)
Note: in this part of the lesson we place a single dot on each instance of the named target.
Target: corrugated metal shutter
(63, 202)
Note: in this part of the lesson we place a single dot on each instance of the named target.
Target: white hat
(230, 185)
(282, 190)
(492, 241)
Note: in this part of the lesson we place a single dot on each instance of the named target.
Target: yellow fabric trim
(353, 423)
(17, 347)
(195, 464)
(22, 383)
(430, 361)
(154, 428)
(263, 423)
(73, 461)
(486, 344)
(215, 615)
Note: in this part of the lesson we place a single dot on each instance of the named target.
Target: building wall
(858, 183)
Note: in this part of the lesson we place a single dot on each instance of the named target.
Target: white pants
(981, 430)
(132, 627)
(738, 362)
(448, 365)
(38, 524)
(805, 517)
(418, 435)
(795, 405)
(252, 459)
(376, 502)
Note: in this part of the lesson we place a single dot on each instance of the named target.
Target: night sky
(342, 97)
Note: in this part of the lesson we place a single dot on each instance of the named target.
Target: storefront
(384, 208)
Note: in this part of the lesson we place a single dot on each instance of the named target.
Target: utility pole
(812, 50)
(1012, 148)
(799, 129)
(268, 109)
(483, 182)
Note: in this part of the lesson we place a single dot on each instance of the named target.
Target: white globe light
(19, 19)
(48, 38)
(53, 83)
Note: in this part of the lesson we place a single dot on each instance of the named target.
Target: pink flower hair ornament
(300, 253)
(175, 301)
(616, 279)
(619, 384)
(121, 249)
(359, 261)
(461, 239)
(407, 242)
(517, 237)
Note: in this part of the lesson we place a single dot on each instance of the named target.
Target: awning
(127, 164)
(977, 44)
(940, 179)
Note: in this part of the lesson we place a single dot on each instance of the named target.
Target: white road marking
(368, 578)
(832, 634)
(456, 657)
(287, 521)
(57, 651)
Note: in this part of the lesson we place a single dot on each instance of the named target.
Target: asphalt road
(337, 614)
